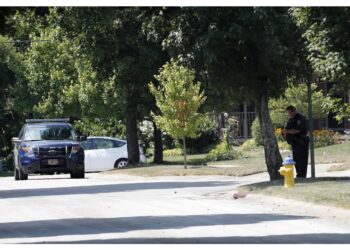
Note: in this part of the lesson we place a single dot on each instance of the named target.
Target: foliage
(283, 146)
(237, 50)
(256, 133)
(173, 152)
(115, 41)
(223, 152)
(326, 33)
(101, 127)
(278, 134)
(11, 78)
(296, 95)
(206, 140)
(178, 99)
(249, 145)
(325, 137)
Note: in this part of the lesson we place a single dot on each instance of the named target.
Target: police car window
(103, 143)
(48, 133)
(118, 144)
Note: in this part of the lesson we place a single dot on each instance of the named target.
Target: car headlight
(28, 151)
(75, 149)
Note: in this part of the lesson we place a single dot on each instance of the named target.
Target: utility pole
(311, 130)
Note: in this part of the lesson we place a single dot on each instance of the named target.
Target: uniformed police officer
(295, 133)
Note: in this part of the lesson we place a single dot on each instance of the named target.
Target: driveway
(125, 209)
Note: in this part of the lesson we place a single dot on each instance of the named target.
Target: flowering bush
(278, 134)
(325, 137)
(173, 152)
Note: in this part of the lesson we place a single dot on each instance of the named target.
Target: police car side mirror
(81, 138)
(16, 140)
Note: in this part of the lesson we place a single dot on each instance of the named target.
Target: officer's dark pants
(300, 156)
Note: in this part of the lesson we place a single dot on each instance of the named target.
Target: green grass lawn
(333, 154)
(253, 162)
(325, 191)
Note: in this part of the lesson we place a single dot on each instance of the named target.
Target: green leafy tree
(328, 44)
(11, 79)
(296, 95)
(118, 46)
(241, 54)
(179, 98)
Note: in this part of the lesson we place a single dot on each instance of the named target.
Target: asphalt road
(110, 209)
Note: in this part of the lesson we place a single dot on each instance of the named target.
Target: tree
(243, 54)
(11, 78)
(296, 95)
(119, 49)
(178, 98)
(328, 40)
(328, 44)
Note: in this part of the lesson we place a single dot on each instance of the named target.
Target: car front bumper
(71, 164)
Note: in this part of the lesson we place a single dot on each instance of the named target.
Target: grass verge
(333, 191)
(252, 163)
(333, 154)
(6, 174)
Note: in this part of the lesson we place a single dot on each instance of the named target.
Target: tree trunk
(185, 155)
(273, 157)
(158, 144)
(131, 132)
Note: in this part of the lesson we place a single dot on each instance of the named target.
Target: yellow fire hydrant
(288, 172)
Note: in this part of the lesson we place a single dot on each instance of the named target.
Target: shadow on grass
(266, 184)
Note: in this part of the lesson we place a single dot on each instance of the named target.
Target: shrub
(278, 134)
(168, 142)
(173, 152)
(206, 140)
(256, 133)
(249, 145)
(222, 152)
(325, 137)
(283, 145)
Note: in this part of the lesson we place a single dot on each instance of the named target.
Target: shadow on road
(321, 238)
(91, 226)
(110, 188)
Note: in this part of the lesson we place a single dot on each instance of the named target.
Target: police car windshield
(49, 132)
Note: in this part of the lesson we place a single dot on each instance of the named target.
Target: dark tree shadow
(91, 226)
(110, 188)
(320, 238)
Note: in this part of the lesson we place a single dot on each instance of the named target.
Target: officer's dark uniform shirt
(298, 122)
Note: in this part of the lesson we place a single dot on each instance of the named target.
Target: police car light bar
(47, 120)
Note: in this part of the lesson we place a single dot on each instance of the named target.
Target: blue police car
(48, 146)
